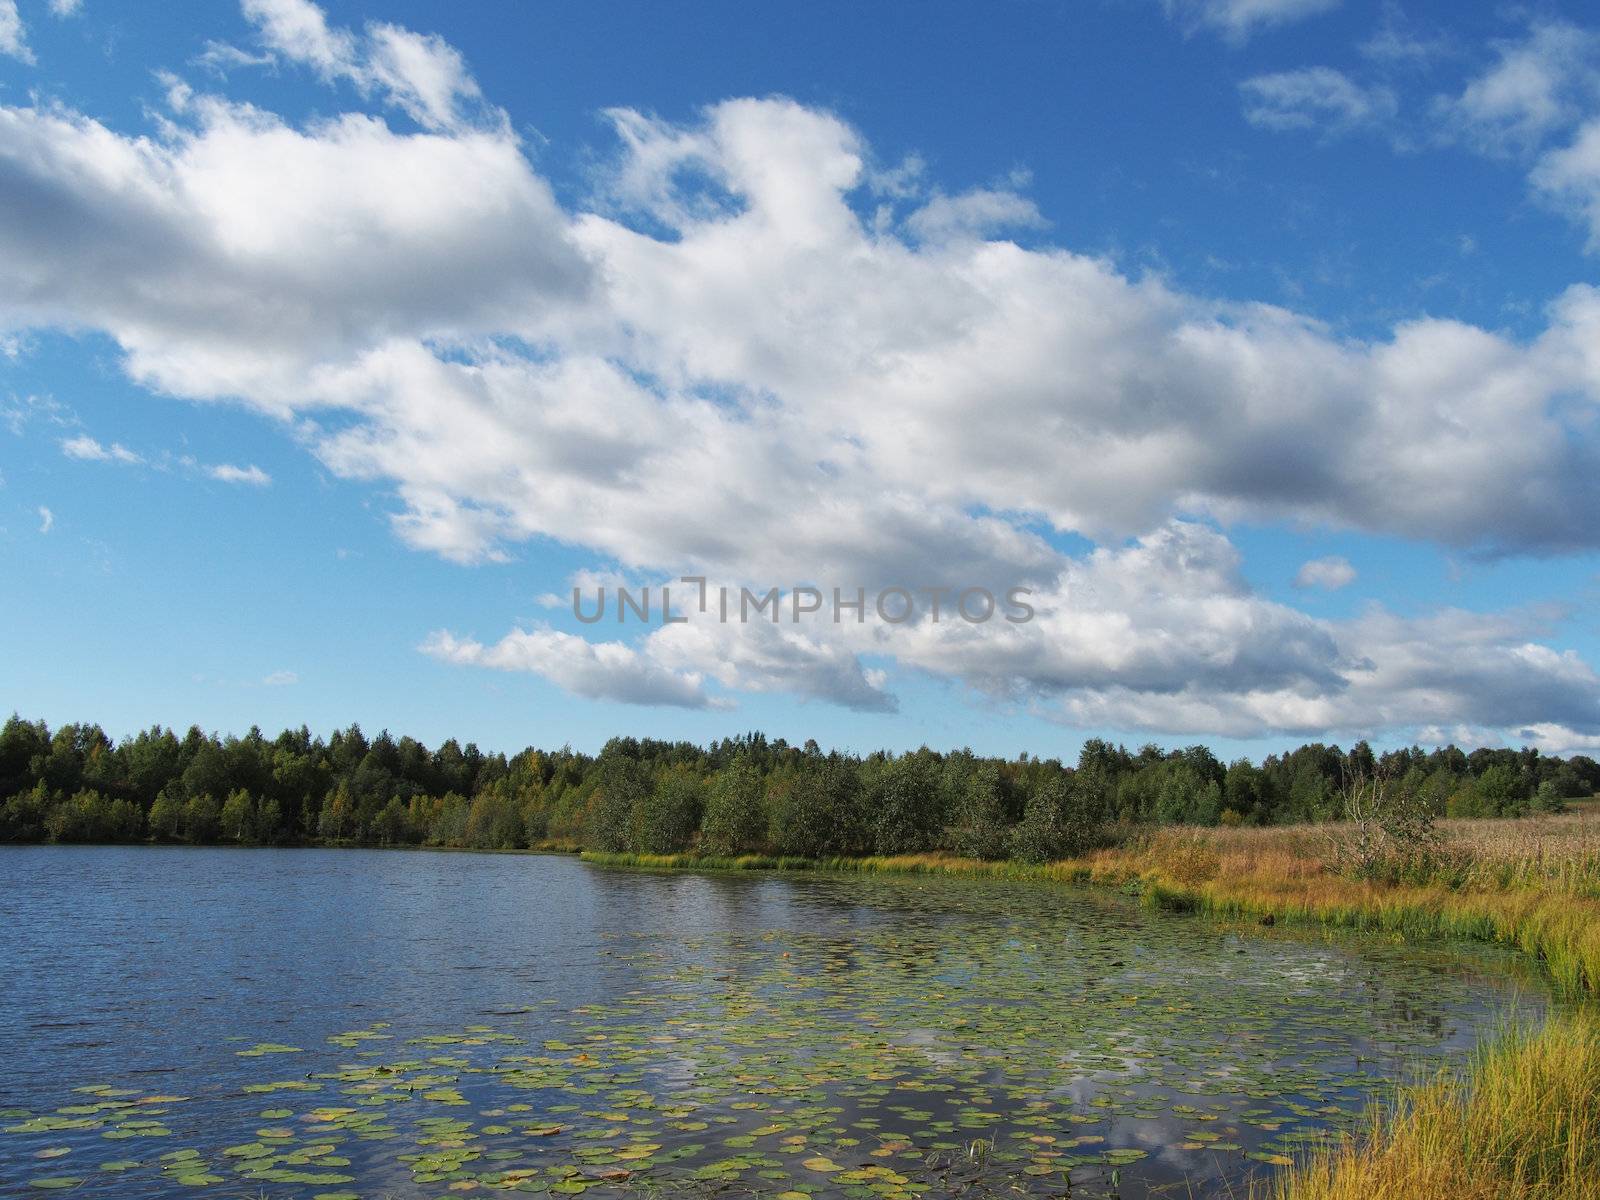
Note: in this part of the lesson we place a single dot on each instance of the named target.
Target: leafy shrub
(1389, 832)
(202, 819)
(91, 817)
(1059, 822)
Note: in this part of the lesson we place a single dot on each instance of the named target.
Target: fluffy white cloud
(1538, 84)
(88, 449)
(66, 8)
(420, 74)
(770, 362)
(1330, 574)
(13, 37)
(252, 475)
(1165, 635)
(1570, 177)
(1237, 20)
(280, 679)
(1316, 98)
(975, 214)
(1162, 635)
(47, 519)
(1536, 101)
(811, 661)
(1541, 98)
(982, 374)
(232, 256)
(599, 670)
(777, 365)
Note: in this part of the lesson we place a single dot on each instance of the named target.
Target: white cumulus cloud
(251, 475)
(1238, 20)
(597, 670)
(1318, 98)
(1538, 84)
(13, 37)
(766, 360)
(1330, 574)
(87, 449)
(1569, 176)
(420, 74)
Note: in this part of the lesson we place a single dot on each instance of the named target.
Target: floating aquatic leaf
(261, 1048)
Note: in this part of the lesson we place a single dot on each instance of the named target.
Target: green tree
(238, 820)
(202, 819)
(92, 817)
(821, 813)
(1503, 791)
(337, 818)
(392, 825)
(624, 786)
(1466, 800)
(665, 816)
(1247, 791)
(906, 803)
(1548, 797)
(21, 743)
(166, 817)
(22, 817)
(269, 822)
(736, 814)
(981, 825)
(494, 821)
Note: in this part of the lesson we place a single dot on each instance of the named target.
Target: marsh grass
(1532, 883)
(1523, 1123)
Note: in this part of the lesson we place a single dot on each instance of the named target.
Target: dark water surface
(324, 1023)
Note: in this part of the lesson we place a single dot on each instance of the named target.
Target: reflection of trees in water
(917, 953)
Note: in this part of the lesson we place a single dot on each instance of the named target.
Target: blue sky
(339, 339)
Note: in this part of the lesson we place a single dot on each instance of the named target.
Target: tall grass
(1528, 884)
(1523, 1125)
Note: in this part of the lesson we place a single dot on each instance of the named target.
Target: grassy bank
(1523, 1124)
(1533, 884)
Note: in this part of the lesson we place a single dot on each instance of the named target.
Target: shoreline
(1567, 951)
(1522, 1122)
(1560, 933)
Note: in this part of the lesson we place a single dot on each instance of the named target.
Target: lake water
(310, 1023)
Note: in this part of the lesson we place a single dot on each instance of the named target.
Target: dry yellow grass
(1533, 883)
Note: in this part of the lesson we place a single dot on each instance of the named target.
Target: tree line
(739, 795)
